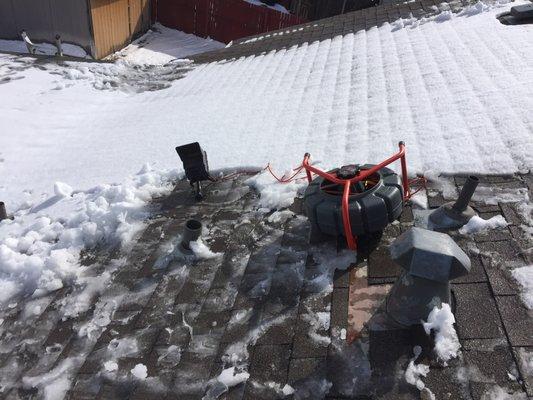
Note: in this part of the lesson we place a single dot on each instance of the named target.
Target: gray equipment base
(447, 218)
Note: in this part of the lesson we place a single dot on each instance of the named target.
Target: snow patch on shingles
(318, 321)
(446, 14)
(420, 199)
(171, 251)
(101, 318)
(275, 195)
(54, 384)
(280, 391)
(493, 195)
(161, 45)
(40, 248)
(232, 377)
(81, 302)
(280, 216)
(328, 261)
(526, 361)
(140, 371)
(110, 366)
(499, 393)
(478, 224)
(441, 320)
(414, 374)
(444, 184)
(524, 276)
(237, 353)
(201, 251)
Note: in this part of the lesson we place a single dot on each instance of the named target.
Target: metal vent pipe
(466, 193)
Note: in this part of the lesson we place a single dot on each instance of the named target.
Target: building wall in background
(115, 23)
(44, 19)
(101, 27)
(222, 20)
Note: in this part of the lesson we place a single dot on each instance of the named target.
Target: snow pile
(18, 46)
(161, 45)
(231, 377)
(441, 321)
(524, 275)
(40, 248)
(478, 224)
(415, 372)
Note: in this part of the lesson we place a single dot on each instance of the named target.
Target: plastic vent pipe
(466, 193)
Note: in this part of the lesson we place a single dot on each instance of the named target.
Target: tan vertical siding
(115, 22)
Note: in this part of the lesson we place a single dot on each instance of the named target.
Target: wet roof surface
(271, 304)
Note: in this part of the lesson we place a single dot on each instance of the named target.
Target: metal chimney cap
(430, 255)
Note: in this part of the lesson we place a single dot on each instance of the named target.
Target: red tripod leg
(350, 240)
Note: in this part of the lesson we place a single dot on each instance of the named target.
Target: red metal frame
(350, 239)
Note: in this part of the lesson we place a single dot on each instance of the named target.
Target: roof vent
(522, 14)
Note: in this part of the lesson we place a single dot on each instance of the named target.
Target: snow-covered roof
(456, 87)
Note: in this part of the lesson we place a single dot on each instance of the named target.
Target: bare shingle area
(255, 307)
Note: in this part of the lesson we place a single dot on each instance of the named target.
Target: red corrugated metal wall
(222, 20)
